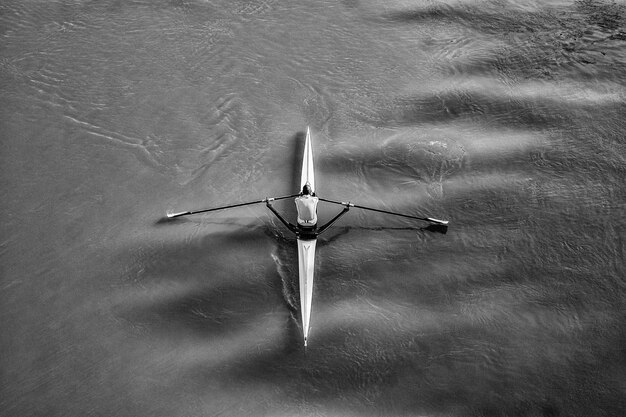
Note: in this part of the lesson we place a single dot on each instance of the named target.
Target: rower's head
(306, 190)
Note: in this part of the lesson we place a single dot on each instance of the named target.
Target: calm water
(505, 117)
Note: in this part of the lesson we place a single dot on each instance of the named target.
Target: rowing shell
(306, 248)
(307, 239)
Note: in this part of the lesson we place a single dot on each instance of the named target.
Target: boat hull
(308, 173)
(306, 261)
(306, 247)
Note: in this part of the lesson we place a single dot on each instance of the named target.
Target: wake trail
(289, 291)
(118, 139)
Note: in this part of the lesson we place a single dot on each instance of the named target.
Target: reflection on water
(505, 118)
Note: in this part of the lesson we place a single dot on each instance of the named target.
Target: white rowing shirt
(307, 210)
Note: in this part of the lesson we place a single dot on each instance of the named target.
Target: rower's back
(306, 205)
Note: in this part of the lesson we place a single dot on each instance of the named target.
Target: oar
(428, 219)
(186, 213)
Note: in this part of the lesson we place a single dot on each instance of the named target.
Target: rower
(306, 204)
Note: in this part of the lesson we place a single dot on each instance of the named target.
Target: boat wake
(289, 288)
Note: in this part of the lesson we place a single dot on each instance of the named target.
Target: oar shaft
(429, 219)
(226, 207)
(186, 213)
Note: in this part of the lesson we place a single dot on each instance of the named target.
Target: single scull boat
(307, 238)
(306, 246)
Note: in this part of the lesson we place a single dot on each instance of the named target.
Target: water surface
(505, 118)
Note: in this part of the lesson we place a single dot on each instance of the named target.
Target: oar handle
(348, 204)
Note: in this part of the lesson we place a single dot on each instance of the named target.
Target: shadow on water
(536, 113)
(168, 221)
(296, 168)
(193, 286)
(436, 228)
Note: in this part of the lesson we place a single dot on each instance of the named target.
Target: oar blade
(441, 222)
(181, 213)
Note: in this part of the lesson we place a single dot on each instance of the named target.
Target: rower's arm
(332, 221)
(290, 226)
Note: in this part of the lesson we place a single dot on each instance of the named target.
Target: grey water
(504, 117)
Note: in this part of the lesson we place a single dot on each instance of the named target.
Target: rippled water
(506, 118)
